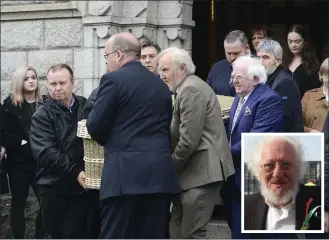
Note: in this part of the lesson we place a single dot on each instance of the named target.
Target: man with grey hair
(270, 53)
(131, 118)
(219, 77)
(256, 108)
(278, 165)
(201, 153)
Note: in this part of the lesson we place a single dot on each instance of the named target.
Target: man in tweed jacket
(201, 153)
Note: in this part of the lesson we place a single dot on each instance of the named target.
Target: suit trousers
(192, 210)
(20, 182)
(135, 216)
(64, 215)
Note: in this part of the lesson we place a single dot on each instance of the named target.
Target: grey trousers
(192, 210)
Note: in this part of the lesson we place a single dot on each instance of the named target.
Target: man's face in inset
(149, 58)
(235, 50)
(279, 168)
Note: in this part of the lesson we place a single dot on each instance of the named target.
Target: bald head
(120, 49)
(126, 43)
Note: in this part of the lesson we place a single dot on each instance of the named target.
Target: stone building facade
(42, 33)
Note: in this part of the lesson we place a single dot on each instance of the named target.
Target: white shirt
(281, 219)
(325, 94)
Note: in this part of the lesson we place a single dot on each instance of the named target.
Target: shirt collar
(63, 104)
(325, 94)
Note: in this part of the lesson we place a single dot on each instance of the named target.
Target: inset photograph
(282, 183)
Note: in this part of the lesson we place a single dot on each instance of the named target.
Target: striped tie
(238, 110)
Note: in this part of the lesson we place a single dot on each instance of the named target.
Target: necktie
(238, 110)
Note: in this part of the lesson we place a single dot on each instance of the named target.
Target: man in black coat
(131, 118)
(59, 155)
(270, 53)
(219, 78)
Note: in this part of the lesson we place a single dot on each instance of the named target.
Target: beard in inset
(278, 199)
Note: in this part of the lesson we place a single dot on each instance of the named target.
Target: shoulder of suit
(221, 63)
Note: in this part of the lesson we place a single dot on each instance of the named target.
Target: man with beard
(282, 201)
(270, 53)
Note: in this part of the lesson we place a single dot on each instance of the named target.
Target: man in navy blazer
(256, 108)
(219, 78)
(131, 118)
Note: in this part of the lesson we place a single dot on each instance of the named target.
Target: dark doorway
(208, 36)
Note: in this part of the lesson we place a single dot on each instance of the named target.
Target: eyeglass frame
(108, 54)
(289, 168)
(239, 78)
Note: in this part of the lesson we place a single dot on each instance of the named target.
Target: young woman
(302, 62)
(16, 114)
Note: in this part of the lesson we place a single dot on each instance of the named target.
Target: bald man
(131, 118)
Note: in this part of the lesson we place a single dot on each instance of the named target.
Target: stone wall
(41, 33)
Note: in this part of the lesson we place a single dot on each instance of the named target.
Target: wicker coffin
(93, 157)
(225, 104)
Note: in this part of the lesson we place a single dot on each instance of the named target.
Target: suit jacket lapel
(260, 214)
(254, 94)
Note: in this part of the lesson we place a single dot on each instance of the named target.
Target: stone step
(218, 229)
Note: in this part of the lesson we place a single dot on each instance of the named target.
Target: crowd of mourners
(168, 152)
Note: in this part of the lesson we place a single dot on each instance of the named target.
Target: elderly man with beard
(282, 201)
(201, 153)
(270, 53)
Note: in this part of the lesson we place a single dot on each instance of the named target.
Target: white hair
(254, 68)
(272, 47)
(180, 56)
(253, 163)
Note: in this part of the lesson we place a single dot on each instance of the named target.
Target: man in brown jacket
(201, 154)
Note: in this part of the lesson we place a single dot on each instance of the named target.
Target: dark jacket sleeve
(291, 103)
(10, 140)
(44, 146)
(93, 96)
(102, 113)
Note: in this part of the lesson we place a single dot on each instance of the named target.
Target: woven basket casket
(93, 157)
(225, 105)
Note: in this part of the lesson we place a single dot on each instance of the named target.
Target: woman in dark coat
(302, 62)
(16, 114)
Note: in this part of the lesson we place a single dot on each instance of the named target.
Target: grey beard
(278, 200)
(270, 70)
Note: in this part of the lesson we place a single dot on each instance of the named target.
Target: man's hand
(2, 153)
(81, 179)
(326, 222)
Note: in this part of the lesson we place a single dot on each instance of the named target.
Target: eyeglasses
(239, 78)
(270, 167)
(107, 54)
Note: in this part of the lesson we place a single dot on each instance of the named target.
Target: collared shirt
(247, 95)
(63, 104)
(325, 94)
(281, 218)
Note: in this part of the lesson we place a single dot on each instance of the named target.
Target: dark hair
(126, 45)
(263, 29)
(309, 59)
(147, 43)
(236, 35)
(61, 66)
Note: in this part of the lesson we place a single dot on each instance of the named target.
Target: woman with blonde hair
(16, 114)
(315, 103)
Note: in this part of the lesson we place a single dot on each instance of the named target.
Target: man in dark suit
(219, 78)
(270, 53)
(131, 118)
(282, 202)
(256, 108)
